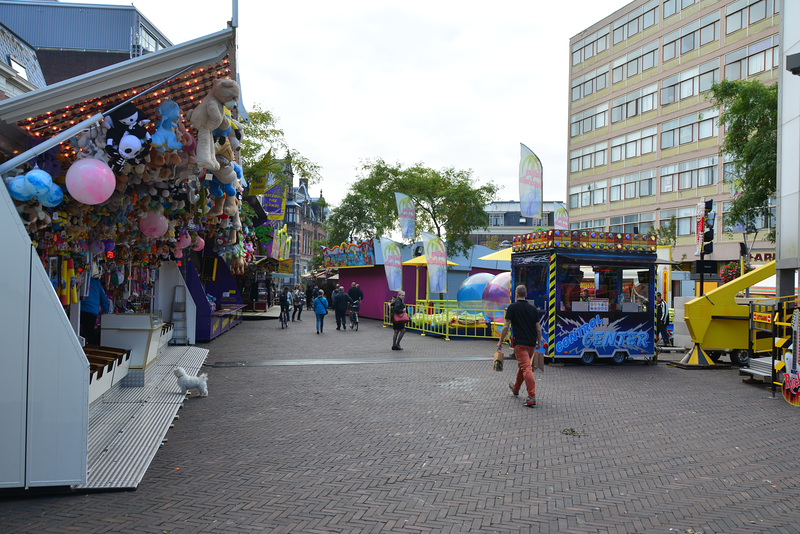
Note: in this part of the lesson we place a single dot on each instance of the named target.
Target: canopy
(504, 254)
(420, 261)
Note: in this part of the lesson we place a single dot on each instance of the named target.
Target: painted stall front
(595, 292)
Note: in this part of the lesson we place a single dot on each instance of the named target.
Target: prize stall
(216, 295)
(595, 292)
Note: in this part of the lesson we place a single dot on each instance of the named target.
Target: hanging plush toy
(209, 115)
(166, 136)
(127, 139)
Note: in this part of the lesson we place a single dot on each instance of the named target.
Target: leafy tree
(447, 203)
(263, 142)
(492, 242)
(749, 113)
(667, 233)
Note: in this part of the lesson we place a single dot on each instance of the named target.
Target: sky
(440, 82)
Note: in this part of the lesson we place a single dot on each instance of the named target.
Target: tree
(667, 233)
(263, 142)
(448, 203)
(749, 113)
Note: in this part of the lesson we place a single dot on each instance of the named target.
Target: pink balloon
(153, 224)
(178, 253)
(184, 241)
(90, 181)
(200, 244)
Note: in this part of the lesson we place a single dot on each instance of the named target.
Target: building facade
(305, 217)
(506, 221)
(644, 141)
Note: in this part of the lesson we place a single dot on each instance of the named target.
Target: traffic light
(708, 227)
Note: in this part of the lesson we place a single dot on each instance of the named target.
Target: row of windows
(686, 175)
(753, 59)
(634, 103)
(738, 15)
(690, 82)
(588, 120)
(635, 62)
(589, 83)
(588, 157)
(689, 129)
(634, 144)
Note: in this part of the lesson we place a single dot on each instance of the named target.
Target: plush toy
(167, 136)
(209, 115)
(127, 139)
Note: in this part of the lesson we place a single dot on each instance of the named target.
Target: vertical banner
(407, 215)
(392, 264)
(560, 216)
(701, 224)
(530, 183)
(275, 200)
(436, 257)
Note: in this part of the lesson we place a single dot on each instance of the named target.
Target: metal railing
(446, 319)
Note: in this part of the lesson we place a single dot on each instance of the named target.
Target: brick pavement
(442, 446)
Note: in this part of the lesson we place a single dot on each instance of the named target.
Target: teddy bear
(127, 139)
(209, 115)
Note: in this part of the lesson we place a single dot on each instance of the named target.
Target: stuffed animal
(209, 115)
(167, 136)
(127, 139)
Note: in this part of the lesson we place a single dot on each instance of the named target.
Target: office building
(644, 141)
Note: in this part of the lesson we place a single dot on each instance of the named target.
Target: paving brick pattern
(442, 446)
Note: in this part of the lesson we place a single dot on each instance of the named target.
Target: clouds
(448, 84)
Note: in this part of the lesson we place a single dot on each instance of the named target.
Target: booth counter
(141, 333)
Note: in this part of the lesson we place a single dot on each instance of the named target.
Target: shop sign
(762, 317)
(349, 255)
(576, 335)
(762, 257)
(285, 266)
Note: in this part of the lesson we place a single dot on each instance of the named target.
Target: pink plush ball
(153, 224)
(200, 244)
(184, 241)
(90, 181)
(178, 253)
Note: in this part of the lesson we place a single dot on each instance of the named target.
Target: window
(682, 41)
(690, 82)
(587, 157)
(496, 219)
(636, 223)
(588, 120)
(590, 46)
(752, 60)
(633, 144)
(582, 196)
(634, 103)
(18, 67)
(638, 184)
(585, 85)
(674, 6)
(636, 21)
(689, 129)
(684, 219)
(709, 33)
(689, 174)
(741, 14)
(636, 62)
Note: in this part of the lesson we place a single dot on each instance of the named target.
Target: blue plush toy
(217, 188)
(166, 136)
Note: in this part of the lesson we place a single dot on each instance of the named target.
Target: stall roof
(121, 76)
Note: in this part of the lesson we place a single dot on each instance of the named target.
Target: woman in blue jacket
(320, 309)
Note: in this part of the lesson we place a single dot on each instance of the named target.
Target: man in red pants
(523, 318)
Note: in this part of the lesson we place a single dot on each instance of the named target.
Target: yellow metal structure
(719, 324)
(444, 318)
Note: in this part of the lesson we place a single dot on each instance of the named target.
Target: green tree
(448, 203)
(263, 143)
(667, 233)
(749, 113)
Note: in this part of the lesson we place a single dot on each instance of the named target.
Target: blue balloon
(53, 197)
(38, 182)
(18, 189)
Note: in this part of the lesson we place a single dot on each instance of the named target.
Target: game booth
(595, 292)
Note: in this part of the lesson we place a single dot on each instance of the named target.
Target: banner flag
(407, 215)
(560, 216)
(275, 199)
(392, 264)
(530, 183)
(436, 258)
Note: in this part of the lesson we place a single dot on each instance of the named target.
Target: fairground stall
(594, 290)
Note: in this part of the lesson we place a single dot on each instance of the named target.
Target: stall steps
(179, 335)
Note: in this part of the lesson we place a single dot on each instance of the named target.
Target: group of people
(314, 298)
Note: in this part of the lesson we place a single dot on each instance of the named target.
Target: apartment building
(643, 139)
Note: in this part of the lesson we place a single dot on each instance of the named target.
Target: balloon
(470, 294)
(96, 247)
(153, 224)
(109, 244)
(18, 189)
(200, 243)
(497, 297)
(38, 182)
(90, 181)
(53, 197)
(184, 241)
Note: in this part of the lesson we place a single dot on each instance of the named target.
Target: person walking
(662, 320)
(286, 302)
(298, 303)
(341, 301)
(309, 296)
(523, 318)
(320, 310)
(90, 309)
(399, 328)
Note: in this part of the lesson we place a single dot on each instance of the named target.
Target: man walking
(662, 320)
(523, 318)
(340, 302)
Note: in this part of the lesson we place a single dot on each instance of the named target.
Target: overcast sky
(443, 83)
